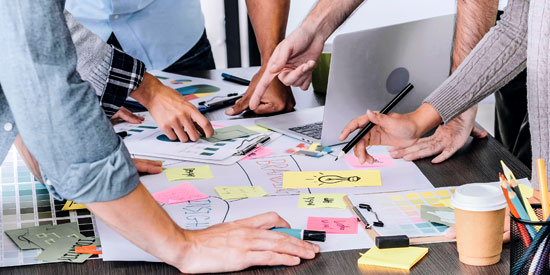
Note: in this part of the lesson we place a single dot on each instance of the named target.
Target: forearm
(496, 59)
(473, 20)
(269, 19)
(144, 223)
(328, 15)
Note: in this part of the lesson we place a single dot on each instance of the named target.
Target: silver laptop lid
(368, 68)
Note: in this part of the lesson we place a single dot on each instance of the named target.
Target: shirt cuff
(107, 179)
(125, 75)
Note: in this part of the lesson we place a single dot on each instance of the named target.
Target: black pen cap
(316, 236)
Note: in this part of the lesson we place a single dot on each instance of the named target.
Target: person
(170, 35)
(44, 100)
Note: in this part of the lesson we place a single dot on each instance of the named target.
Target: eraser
(392, 241)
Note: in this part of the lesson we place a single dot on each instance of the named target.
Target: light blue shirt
(157, 32)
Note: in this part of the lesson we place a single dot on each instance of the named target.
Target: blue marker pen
(306, 235)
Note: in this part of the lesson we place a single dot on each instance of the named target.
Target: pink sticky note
(217, 126)
(379, 161)
(179, 194)
(260, 152)
(333, 225)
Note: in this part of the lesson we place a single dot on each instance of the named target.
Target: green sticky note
(322, 201)
(441, 215)
(230, 132)
(39, 236)
(189, 173)
(239, 192)
(64, 250)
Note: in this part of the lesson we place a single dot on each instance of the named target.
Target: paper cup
(479, 222)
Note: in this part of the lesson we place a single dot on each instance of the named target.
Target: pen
(235, 79)
(370, 125)
(253, 146)
(361, 218)
(306, 235)
(205, 107)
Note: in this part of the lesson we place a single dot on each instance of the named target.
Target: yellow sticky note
(322, 201)
(397, 197)
(189, 173)
(313, 146)
(402, 258)
(442, 193)
(321, 179)
(70, 205)
(258, 129)
(240, 192)
(412, 196)
(427, 194)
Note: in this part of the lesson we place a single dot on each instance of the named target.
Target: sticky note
(441, 215)
(333, 225)
(258, 129)
(402, 258)
(231, 132)
(70, 205)
(240, 192)
(322, 201)
(322, 179)
(188, 173)
(442, 193)
(427, 194)
(259, 152)
(179, 194)
(313, 146)
(412, 196)
(379, 161)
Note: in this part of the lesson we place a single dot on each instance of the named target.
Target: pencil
(522, 230)
(524, 201)
(370, 125)
(521, 211)
(543, 185)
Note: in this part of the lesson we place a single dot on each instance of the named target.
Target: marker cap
(316, 236)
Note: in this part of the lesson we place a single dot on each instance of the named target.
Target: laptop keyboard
(311, 130)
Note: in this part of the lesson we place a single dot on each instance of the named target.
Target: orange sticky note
(88, 249)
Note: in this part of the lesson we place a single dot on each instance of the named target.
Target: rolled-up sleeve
(55, 111)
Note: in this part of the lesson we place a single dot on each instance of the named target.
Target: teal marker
(306, 235)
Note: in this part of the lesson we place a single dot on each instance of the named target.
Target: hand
(126, 115)
(293, 61)
(148, 166)
(177, 118)
(277, 98)
(238, 245)
(392, 129)
(446, 140)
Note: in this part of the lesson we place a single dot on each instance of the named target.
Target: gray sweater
(499, 57)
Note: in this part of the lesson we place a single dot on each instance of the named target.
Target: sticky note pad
(322, 201)
(412, 196)
(379, 161)
(230, 132)
(402, 258)
(188, 173)
(70, 205)
(333, 225)
(179, 194)
(259, 152)
(258, 129)
(322, 179)
(240, 192)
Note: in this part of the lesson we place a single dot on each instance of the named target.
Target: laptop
(368, 68)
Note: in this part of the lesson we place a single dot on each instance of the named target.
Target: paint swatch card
(259, 152)
(441, 215)
(71, 205)
(179, 194)
(64, 251)
(379, 161)
(323, 179)
(322, 201)
(188, 173)
(240, 192)
(231, 132)
(402, 257)
(43, 236)
(333, 225)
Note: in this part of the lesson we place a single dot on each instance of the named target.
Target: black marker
(235, 79)
(370, 125)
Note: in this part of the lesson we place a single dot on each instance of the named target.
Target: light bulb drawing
(334, 179)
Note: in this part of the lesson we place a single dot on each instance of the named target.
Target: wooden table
(477, 161)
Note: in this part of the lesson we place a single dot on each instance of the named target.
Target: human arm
(269, 20)
(473, 21)
(294, 58)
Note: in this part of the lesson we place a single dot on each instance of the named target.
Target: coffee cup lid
(478, 197)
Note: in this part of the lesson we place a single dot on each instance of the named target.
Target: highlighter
(306, 235)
